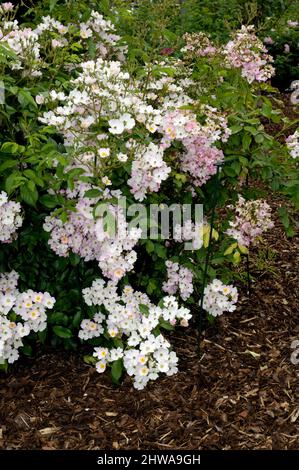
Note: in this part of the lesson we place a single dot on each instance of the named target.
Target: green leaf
(74, 259)
(229, 171)
(166, 325)
(52, 4)
(284, 217)
(90, 360)
(93, 193)
(243, 249)
(12, 181)
(252, 130)
(230, 249)
(210, 318)
(6, 51)
(144, 309)
(246, 141)
(116, 370)
(77, 319)
(117, 342)
(290, 232)
(161, 251)
(236, 166)
(42, 335)
(92, 50)
(169, 36)
(64, 216)
(25, 98)
(236, 257)
(151, 286)
(164, 70)
(267, 110)
(48, 201)
(10, 147)
(236, 128)
(259, 138)
(31, 175)
(27, 350)
(3, 364)
(109, 223)
(150, 247)
(8, 164)
(57, 317)
(62, 332)
(29, 193)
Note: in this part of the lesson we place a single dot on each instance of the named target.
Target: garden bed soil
(242, 393)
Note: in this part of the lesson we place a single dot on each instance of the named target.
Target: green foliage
(217, 20)
(117, 370)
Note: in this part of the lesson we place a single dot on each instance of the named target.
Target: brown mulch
(242, 393)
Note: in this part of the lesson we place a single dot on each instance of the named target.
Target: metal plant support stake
(248, 276)
(247, 255)
(209, 252)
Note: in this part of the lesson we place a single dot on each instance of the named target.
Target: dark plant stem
(248, 276)
(80, 287)
(208, 257)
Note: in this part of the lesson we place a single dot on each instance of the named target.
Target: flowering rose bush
(252, 219)
(89, 121)
(219, 298)
(145, 352)
(246, 51)
(20, 313)
(281, 36)
(179, 279)
(293, 144)
(10, 218)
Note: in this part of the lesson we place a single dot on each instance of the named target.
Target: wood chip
(48, 431)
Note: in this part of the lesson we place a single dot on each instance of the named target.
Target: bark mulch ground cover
(242, 393)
